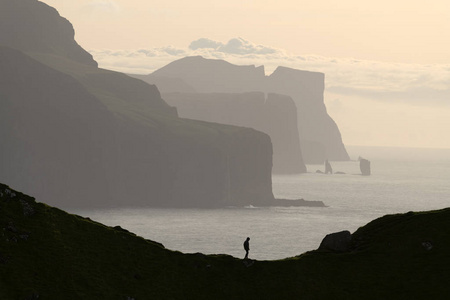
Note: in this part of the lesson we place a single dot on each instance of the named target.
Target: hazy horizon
(386, 64)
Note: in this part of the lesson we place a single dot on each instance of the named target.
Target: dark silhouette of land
(47, 253)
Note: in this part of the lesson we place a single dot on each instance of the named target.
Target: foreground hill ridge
(50, 254)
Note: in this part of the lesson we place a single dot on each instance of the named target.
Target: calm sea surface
(402, 180)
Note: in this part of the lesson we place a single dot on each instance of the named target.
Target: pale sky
(409, 31)
(387, 63)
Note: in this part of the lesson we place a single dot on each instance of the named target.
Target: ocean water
(402, 180)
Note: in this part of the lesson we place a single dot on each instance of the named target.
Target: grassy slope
(101, 83)
(63, 256)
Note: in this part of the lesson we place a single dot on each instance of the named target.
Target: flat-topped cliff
(320, 138)
(317, 129)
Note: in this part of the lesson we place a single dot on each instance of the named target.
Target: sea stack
(364, 165)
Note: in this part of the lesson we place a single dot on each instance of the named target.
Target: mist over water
(402, 180)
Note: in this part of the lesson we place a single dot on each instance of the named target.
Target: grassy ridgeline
(48, 253)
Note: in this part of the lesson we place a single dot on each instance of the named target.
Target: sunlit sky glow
(386, 62)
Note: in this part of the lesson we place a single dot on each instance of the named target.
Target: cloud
(386, 82)
(241, 47)
(204, 43)
(236, 46)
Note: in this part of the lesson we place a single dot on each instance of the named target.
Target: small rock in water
(364, 166)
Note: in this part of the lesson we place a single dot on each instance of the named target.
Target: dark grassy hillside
(48, 253)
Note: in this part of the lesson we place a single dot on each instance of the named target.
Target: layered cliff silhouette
(275, 115)
(78, 135)
(319, 135)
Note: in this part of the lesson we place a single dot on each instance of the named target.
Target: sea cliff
(275, 115)
(101, 138)
(319, 135)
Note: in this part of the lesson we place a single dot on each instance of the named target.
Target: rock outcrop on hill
(275, 115)
(319, 135)
(33, 26)
(77, 135)
(338, 241)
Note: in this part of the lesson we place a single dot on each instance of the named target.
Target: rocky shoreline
(296, 203)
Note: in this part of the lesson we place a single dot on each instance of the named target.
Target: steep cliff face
(48, 33)
(317, 129)
(77, 135)
(275, 115)
(52, 131)
(319, 135)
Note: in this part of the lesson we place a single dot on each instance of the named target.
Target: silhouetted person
(246, 247)
(328, 168)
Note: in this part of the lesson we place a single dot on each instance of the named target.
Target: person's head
(248, 239)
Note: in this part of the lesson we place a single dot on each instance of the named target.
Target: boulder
(337, 242)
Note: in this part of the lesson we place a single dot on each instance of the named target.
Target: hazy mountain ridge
(68, 124)
(320, 138)
(50, 254)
